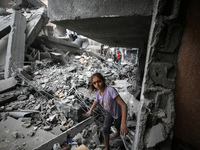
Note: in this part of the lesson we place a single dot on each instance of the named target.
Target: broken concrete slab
(21, 114)
(155, 135)
(35, 23)
(35, 3)
(7, 84)
(16, 45)
(4, 25)
(63, 45)
(121, 86)
(23, 4)
(65, 135)
(63, 80)
(9, 126)
(7, 98)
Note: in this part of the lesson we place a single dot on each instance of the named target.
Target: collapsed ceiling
(118, 23)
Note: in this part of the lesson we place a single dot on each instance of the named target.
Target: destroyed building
(44, 75)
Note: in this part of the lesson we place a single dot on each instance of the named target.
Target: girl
(115, 107)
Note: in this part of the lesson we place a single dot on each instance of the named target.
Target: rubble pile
(56, 97)
(44, 86)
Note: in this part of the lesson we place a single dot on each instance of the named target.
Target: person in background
(119, 57)
(102, 52)
(111, 101)
(114, 56)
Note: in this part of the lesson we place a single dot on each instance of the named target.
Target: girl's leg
(106, 129)
(106, 141)
(117, 124)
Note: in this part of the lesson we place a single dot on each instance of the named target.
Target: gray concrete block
(16, 43)
(4, 25)
(156, 135)
(7, 141)
(35, 24)
(7, 84)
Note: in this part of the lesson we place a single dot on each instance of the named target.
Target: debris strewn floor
(44, 85)
(54, 98)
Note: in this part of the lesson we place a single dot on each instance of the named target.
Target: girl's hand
(90, 113)
(124, 129)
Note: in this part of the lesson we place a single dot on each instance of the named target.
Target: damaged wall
(187, 95)
(157, 113)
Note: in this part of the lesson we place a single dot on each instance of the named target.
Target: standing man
(114, 56)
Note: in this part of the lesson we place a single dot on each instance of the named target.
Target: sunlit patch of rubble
(57, 97)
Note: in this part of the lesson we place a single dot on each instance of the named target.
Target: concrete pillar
(156, 116)
(16, 43)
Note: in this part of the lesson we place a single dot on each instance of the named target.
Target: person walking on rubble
(116, 108)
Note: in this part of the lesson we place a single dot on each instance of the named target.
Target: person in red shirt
(119, 57)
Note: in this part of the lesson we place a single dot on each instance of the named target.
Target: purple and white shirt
(108, 102)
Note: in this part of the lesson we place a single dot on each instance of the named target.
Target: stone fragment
(38, 107)
(26, 119)
(22, 97)
(116, 143)
(26, 125)
(57, 147)
(15, 134)
(16, 147)
(35, 128)
(84, 133)
(96, 139)
(52, 118)
(62, 128)
(78, 138)
(47, 128)
(94, 129)
(28, 69)
(7, 84)
(31, 133)
(155, 135)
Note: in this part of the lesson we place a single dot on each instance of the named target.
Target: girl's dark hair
(100, 76)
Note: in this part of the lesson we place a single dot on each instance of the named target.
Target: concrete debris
(57, 147)
(7, 141)
(5, 22)
(22, 4)
(155, 135)
(20, 114)
(7, 84)
(45, 85)
(27, 26)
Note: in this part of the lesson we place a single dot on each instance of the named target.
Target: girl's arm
(93, 106)
(124, 128)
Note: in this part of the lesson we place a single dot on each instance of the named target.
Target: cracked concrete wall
(157, 113)
(187, 95)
